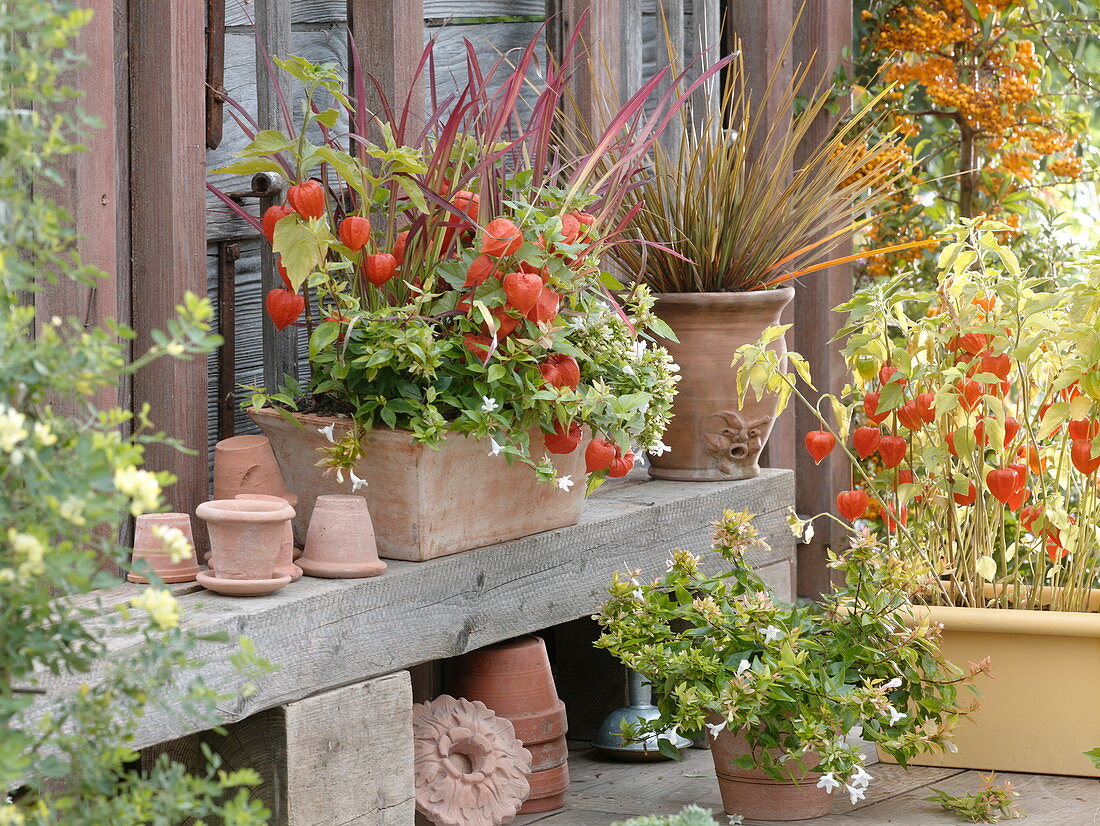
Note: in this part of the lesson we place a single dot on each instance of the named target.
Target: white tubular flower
(891, 684)
(828, 782)
(12, 431)
(716, 728)
(861, 779)
(489, 405)
(771, 633)
(356, 482)
(494, 448)
(895, 715)
(855, 794)
(660, 449)
(743, 667)
(735, 820)
(327, 432)
(565, 483)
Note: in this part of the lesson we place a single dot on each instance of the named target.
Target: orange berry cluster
(962, 68)
(991, 82)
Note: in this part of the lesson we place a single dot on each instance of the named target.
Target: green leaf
(660, 328)
(1094, 755)
(267, 142)
(412, 190)
(669, 750)
(328, 117)
(302, 252)
(250, 167)
(771, 334)
(325, 334)
(350, 169)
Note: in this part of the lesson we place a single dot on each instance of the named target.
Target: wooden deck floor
(604, 792)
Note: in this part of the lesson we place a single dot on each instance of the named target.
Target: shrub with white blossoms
(721, 652)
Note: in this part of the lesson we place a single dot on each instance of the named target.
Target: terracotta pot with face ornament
(712, 438)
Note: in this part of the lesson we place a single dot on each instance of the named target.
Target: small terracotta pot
(547, 790)
(710, 436)
(514, 679)
(246, 464)
(755, 794)
(284, 562)
(148, 548)
(340, 542)
(245, 536)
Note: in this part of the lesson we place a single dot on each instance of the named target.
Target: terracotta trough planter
(426, 502)
(712, 439)
(1039, 712)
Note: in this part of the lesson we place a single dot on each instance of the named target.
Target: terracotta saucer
(326, 569)
(242, 587)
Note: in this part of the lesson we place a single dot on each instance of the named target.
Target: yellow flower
(141, 486)
(12, 431)
(173, 542)
(43, 435)
(31, 549)
(72, 510)
(161, 605)
(10, 815)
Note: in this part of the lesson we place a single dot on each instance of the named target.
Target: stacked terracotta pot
(513, 678)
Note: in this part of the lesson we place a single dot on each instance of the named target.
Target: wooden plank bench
(339, 636)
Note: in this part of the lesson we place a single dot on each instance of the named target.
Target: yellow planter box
(1041, 708)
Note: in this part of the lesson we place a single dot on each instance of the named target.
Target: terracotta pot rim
(287, 497)
(244, 510)
(1009, 620)
(337, 499)
(779, 294)
(246, 441)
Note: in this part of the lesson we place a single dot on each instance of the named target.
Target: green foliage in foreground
(70, 472)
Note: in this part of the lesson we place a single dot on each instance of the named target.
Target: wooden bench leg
(340, 758)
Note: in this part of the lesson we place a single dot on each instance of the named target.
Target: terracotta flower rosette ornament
(469, 766)
(245, 539)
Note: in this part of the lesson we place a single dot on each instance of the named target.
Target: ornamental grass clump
(722, 653)
(976, 408)
(725, 216)
(456, 268)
